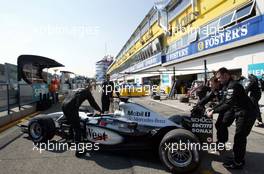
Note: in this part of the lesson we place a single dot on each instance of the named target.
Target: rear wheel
(178, 151)
(41, 129)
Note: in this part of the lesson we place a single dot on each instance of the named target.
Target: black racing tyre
(41, 129)
(180, 160)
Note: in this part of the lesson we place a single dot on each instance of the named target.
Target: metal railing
(15, 95)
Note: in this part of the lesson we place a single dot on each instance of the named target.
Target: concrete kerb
(16, 115)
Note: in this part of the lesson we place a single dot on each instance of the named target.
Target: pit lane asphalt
(17, 155)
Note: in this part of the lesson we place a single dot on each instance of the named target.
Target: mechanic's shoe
(213, 152)
(259, 124)
(234, 165)
(80, 154)
(229, 159)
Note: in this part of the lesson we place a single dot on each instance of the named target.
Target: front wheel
(41, 129)
(179, 151)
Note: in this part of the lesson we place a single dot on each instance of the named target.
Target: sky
(72, 32)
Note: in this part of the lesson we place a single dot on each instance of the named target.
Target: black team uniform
(107, 94)
(70, 108)
(254, 91)
(236, 100)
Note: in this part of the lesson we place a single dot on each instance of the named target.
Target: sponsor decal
(147, 120)
(203, 128)
(103, 136)
(94, 135)
(138, 113)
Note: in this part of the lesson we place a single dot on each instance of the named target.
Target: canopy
(37, 61)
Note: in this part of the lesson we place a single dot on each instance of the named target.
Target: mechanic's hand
(97, 113)
(210, 113)
(208, 110)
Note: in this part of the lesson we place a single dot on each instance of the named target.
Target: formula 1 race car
(134, 126)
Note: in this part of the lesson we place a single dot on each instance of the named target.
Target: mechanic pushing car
(236, 99)
(224, 119)
(254, 90)
(70, 108)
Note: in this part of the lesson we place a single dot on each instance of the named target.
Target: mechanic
(236, 99)
(107, 94)
(213, 93)
(70, 108)
(224, 119)
(253, 88)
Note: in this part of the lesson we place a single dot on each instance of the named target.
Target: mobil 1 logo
(138, 113)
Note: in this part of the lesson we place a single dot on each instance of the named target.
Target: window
(203, 32)
(154, 47)
(185, 40)
(150, 49)
(144, 29)
(179, 44)
(226, 20)
(146, 53)
(138, 57)
(153, 18)
(125, 49)
(137, 36)
(158, 45)
(163, 20)
(175, 46)
(213, 27)
(143, 54)
(179, 8)
(243, 12)
(192, 36)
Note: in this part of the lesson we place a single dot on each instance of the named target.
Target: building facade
(181, 34)
(101, 68)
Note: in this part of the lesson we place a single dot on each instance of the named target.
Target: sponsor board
(103, 136)
(225, 37)
(152, 61)
(240, 31)
(39, 88)
(256, 69)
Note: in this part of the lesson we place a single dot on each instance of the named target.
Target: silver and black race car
(134, 126)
